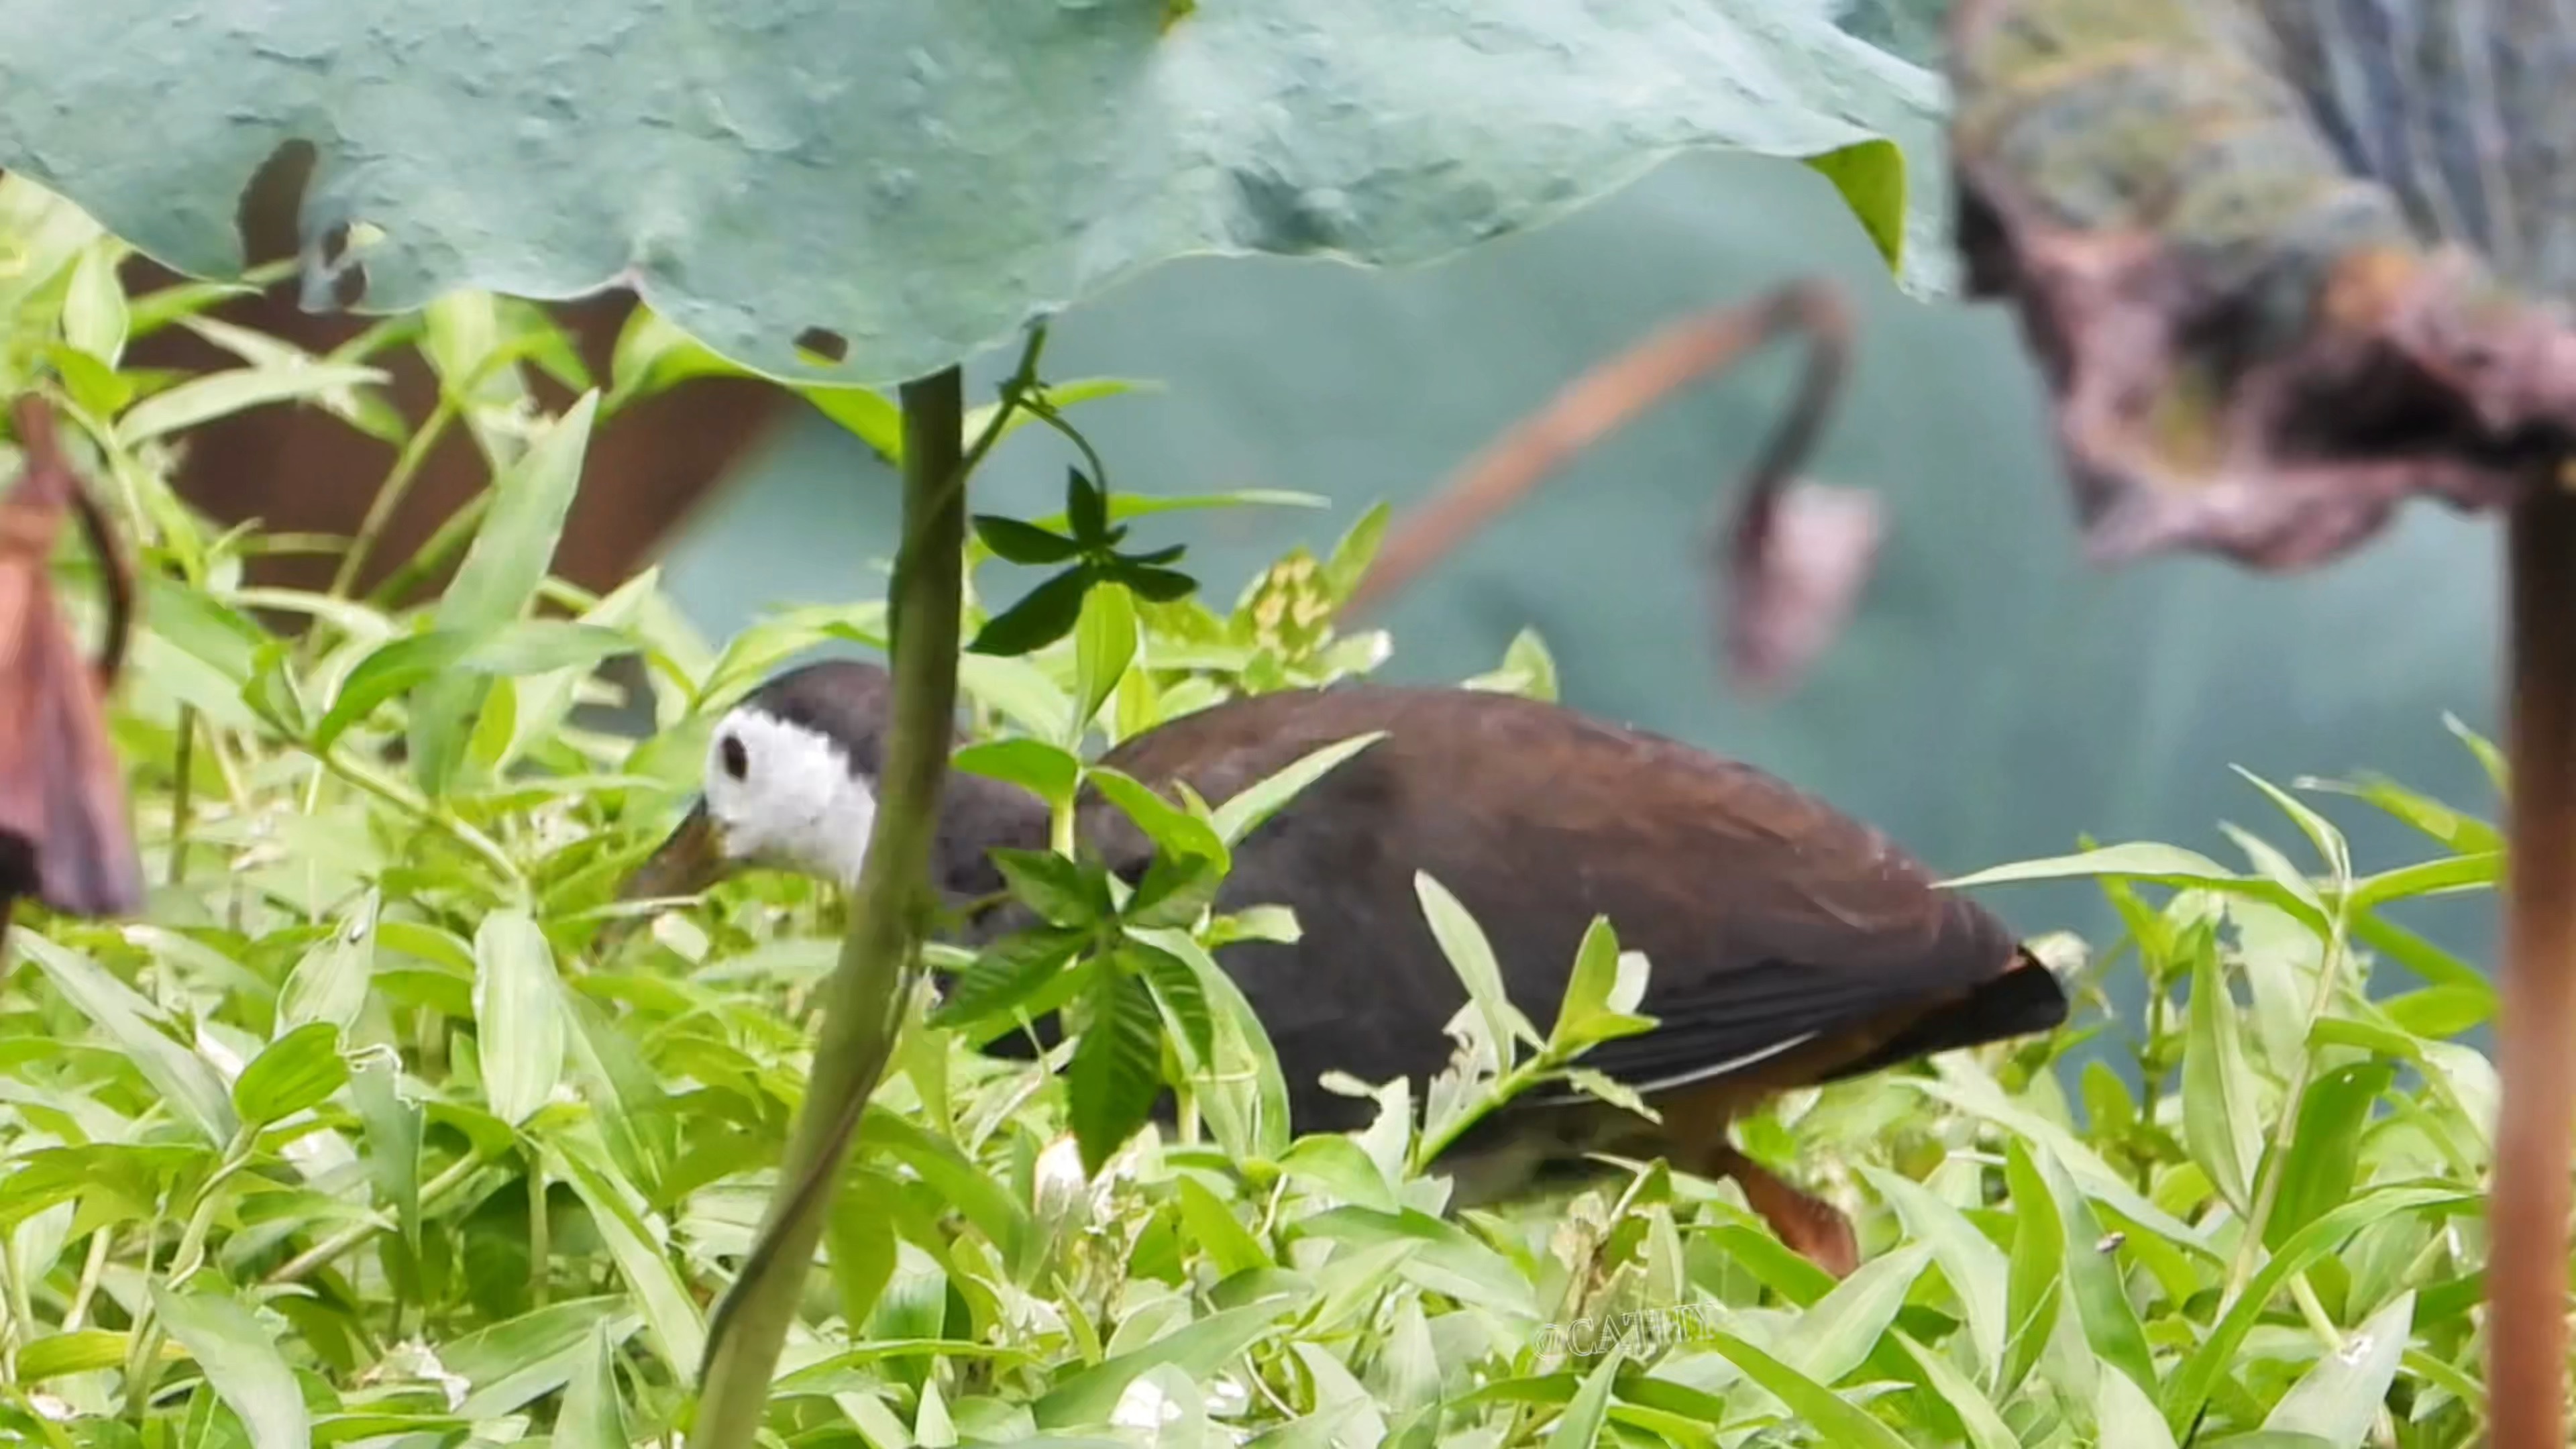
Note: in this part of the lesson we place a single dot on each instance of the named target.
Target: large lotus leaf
(905, 182)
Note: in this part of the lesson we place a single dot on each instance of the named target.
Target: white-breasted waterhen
(1788, 944)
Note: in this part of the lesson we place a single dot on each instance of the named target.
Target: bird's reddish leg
(1814, 1228)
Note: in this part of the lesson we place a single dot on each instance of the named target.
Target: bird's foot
(1812, 1227)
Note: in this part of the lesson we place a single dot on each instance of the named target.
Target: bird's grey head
(790, 782)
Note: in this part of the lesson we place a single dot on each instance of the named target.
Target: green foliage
(374, 1129)
(868, 196)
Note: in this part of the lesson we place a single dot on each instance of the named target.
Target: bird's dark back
(1762, 910)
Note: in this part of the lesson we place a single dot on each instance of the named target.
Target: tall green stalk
(864, 998)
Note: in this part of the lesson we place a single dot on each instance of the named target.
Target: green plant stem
(1016, 394)
(143, 1340)
(864, 997)
(181, 802)
(540, 1231)
(397, 486)
(403, 799)
(93, 1269)
(2267, 1190)
(303, 1265)
(441, 549)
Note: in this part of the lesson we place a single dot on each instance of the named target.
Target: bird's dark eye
(737, 762)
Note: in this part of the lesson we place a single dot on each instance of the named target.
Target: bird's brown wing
(1772, 922)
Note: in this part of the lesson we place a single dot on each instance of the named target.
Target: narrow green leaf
(1104, 644)
(1178, 996)
(2337, 1399)
(1045, 770)
(1976, 1094)
(518, 1014)
(1007, 973)
(1244, 811)
(95, 317)
(1839, 1331)
(2483, 871)
(1214, 1229)
(1448, 1260)
(1527, 670)
(1472, 957)
(1336, 1164)
(2463, 833)
(1245, 1100)
(393, 1131)
(518, 1360)
(1042, 616)
(2430, 963)
(187, 1081)
(2325, 1152)
(2489, 758)
(950, 1172)
(546, 697)
(652, 356)
(1023, 543)
(1127, 506)
(1579, 1427)
(2036, 1286)
(1154, 583)
(2220, 1125)
(2192, 1382)
(591, 1417)
(866, 414)
(1200, 1349)
(1117, 1068)
(861, 1241)
(512, 549)
(2137, 860)
(1064, 892)
(1600, 994)
(80, 1351)
(670, 1315)
(1086, 509)
(208, 396)
(2109, 1319)
(1837, 1419)
(1975, 1267)
(2271, 865)
(2128, 1417)
(330, 983)
(1057, 395)
(241, 1361)
(1167, 825)
(1175, 891)
(2321, 832)
(2440, 1012)
(1355, 551)
(1984, 1427)
(298, 1070)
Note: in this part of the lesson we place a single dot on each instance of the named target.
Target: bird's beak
(692, 859)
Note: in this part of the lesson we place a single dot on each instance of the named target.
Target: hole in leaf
(348, 285)
(272, 201)
(824, 343)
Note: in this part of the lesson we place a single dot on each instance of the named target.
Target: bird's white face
(781, 794)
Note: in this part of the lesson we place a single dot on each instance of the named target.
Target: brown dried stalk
(64, 837)
(2252, 352)
(1793, 556)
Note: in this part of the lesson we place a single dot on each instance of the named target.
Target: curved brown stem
(1607, 397)
(49, 484)
(2536, 1029)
